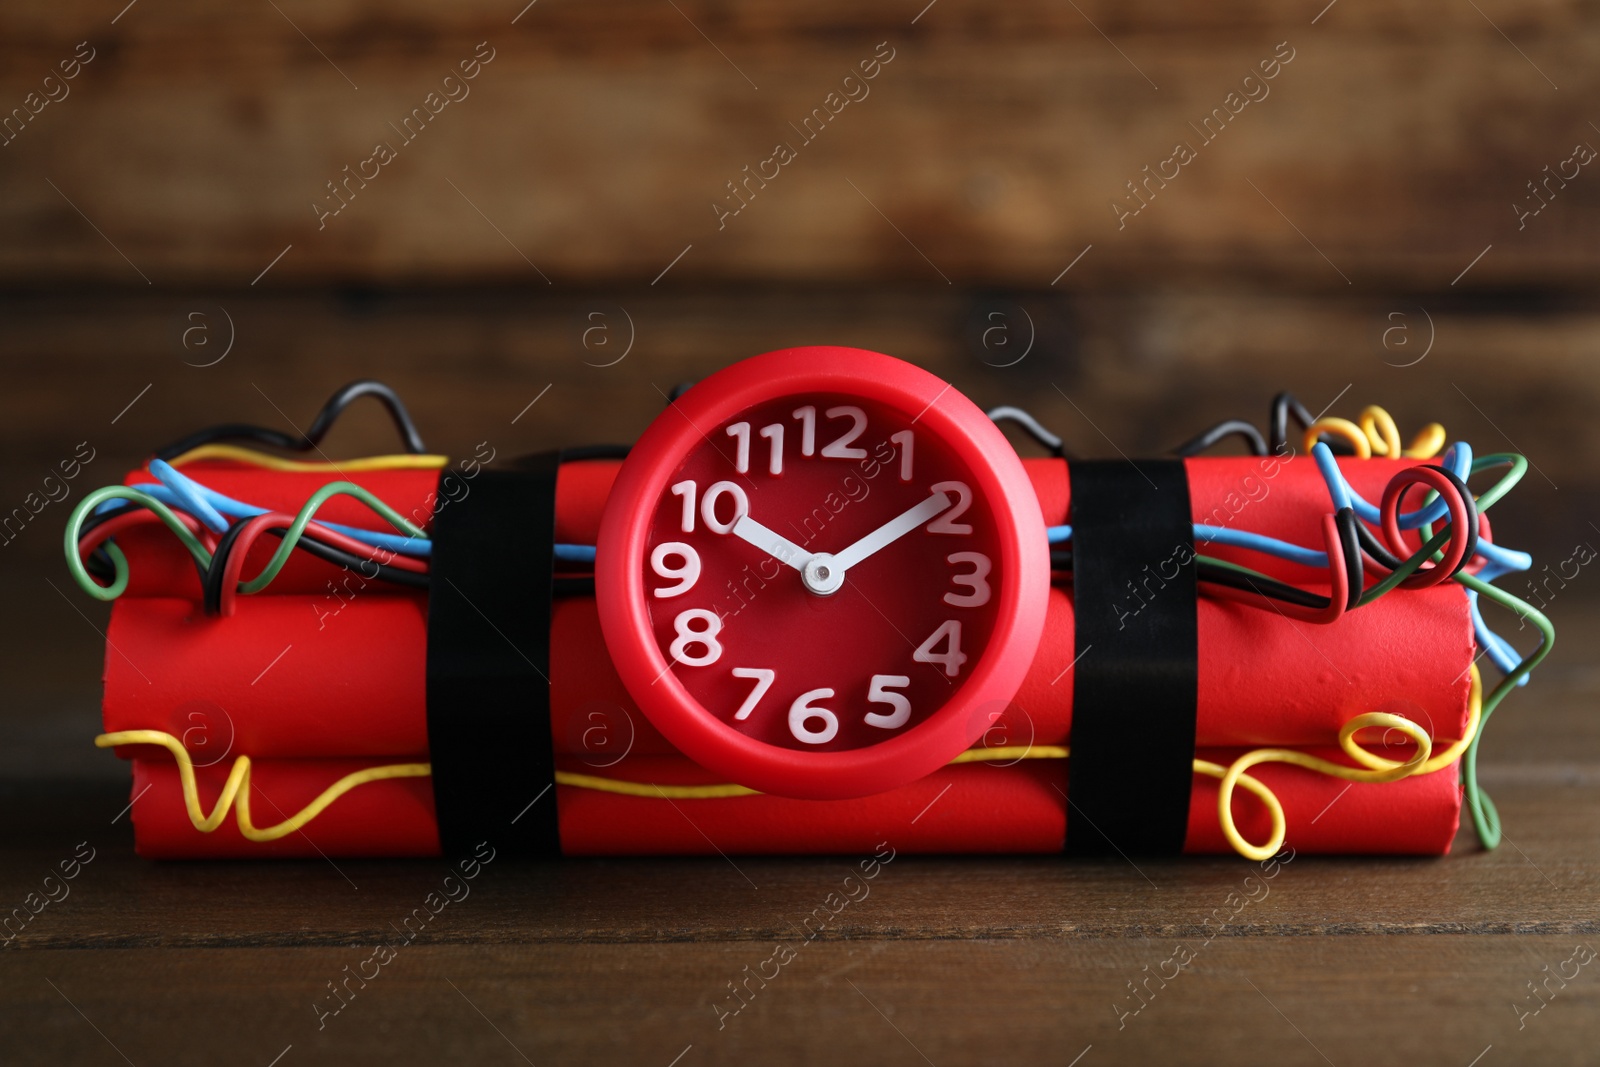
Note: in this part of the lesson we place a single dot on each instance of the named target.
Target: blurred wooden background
(1399, 215)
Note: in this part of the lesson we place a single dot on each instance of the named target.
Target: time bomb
(821, 601)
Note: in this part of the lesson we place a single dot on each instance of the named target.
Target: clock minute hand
(773, 544)
(893, 530)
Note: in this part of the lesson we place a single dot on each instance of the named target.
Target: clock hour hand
(773, 544)
(893, 530)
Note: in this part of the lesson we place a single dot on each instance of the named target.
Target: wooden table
(945, 961)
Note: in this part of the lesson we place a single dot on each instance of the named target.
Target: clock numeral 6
(685, 575)
(802, 711)
(879, 694)
(952, 657)
(977, 581)
(705, 636)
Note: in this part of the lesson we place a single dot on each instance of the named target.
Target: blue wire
(190, 495)
(1221, 535)
(209, 506)
(191, 501)
(1458, 459)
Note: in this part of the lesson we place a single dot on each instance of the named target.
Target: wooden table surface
(945, 961)
(170, 256)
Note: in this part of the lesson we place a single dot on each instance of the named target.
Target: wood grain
(1387, 154)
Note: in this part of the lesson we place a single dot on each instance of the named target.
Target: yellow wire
(650, 789)
(1011, 752)
(1343, 428)
(1375, 768)
(1382, 434)
(278, 463)
(236, 790)
(1377, 435)
(1427, 442)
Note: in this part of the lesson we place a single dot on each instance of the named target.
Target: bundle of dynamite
(821, 603)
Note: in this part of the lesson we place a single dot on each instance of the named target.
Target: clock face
(822, 572)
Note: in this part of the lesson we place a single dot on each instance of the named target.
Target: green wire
(119, 585)
(82, 576)
(1485, 817)
(304, 516)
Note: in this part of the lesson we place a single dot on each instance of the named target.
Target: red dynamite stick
(1283, 498)
(342, 674)
(1018, 808)
(278, 680)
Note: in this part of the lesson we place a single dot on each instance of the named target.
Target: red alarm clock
(822, 572)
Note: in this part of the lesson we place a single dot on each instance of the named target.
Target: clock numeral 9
(977, 581)
(685, 575)
(708, 505)
(705, 636)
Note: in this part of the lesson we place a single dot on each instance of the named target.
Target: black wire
(1350, 544)
(1283, 405)
(319, 426)
(678, 390)
(573, 586)
(1228, 427)
(583, 452)
(99, 562)
(1216, 574)
(211, 578)
(1377, 549)
(1034, 428)
(1278, 423)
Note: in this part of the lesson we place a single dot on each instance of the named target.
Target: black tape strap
(489, 596)
(1134, 685)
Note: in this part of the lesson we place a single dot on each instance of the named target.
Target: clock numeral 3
(977, 581)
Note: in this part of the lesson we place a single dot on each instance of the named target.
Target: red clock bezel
(997, 474)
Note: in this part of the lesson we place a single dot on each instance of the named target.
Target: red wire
(259, 524)
(111, 527)
(1339, 594)
(1429, 573)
